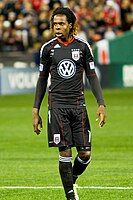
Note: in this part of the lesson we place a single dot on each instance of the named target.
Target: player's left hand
(101, 115)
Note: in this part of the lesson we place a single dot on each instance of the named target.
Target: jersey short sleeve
(89, 60)
(44, 59)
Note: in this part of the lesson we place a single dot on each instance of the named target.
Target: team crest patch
(56, 138)
(75, 54)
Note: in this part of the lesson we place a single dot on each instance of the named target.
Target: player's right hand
(37, 121)
(101, 115)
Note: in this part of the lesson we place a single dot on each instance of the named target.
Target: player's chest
(61, 54)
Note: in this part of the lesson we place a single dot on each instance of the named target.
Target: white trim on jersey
(84, 41)
(45, 45)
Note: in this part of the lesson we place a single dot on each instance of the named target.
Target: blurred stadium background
(25, 159)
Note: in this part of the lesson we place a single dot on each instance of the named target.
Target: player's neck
(66, 41)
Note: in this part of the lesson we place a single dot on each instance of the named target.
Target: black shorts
(69, 127)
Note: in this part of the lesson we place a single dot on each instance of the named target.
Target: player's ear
(70, 25)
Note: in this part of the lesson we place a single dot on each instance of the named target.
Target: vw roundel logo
(66, 68)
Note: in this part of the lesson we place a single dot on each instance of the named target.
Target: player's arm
(97, 91)
(40, 91)
(39, 95)
(95, 85)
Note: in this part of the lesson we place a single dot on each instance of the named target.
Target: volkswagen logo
(66, 68)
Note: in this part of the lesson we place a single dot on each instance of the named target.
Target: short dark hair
(71, 18)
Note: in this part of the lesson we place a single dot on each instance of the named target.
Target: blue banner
(21, 80)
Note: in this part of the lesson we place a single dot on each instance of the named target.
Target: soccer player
(65, 58)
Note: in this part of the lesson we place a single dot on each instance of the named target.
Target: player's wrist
(35, 110)
(102, 105)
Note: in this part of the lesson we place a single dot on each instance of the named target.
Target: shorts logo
(66, 68)
(75, 54)
(56, 138)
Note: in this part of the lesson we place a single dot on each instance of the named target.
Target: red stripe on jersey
(83, 126)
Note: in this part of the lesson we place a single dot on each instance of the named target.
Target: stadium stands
(24, 24)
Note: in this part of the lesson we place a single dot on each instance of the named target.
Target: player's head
(63, 16)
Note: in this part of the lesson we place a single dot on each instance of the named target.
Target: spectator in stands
(127, 14)
(72, 4)
(43, 21)
(111, 14)
(109, 33)
(1, 33)
(36, 5)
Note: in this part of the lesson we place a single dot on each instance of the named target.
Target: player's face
(61, 27)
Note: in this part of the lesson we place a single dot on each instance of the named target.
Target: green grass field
(26, 160)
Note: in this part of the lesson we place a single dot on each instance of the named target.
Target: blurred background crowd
(25, 26)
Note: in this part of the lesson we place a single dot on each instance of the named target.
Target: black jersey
(66, 64)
